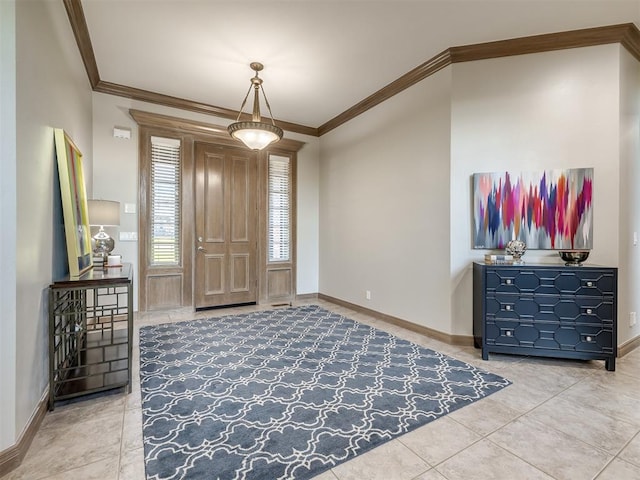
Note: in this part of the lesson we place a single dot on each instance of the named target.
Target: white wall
(629, 268)
(384, 206)
(8, 222)
(51, 91)
(116, 178)
(530, 113)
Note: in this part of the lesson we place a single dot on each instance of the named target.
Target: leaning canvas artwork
(548, 210)
(74, 204)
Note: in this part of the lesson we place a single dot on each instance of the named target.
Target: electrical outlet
(632, 319)
(367, 294)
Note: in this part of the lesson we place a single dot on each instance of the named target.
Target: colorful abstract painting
(547, 210)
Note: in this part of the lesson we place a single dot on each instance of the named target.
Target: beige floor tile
(486, 415)
(620, 470)
(630, 368)
(631, 453)
(439, 440)
(134, 399)
(586, 424)
(605, 400)
(620, 382)
(328, 475)
(56, 450)
(485, 460)
(132, 465)
(132, 430)
(391, 458)
(567, 363)
(432, 474)
(85, 409)
(101, 470)
(520, 396)
(556, 453)
(556, 378)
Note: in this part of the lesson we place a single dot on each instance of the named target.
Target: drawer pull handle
(508, 281)
(509, 333)
(589, 339)
(589, 284)
(589, 311)
(508, 307)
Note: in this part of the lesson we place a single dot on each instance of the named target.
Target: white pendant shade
(255, 135)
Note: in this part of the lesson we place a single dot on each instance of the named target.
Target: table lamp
(103, 213)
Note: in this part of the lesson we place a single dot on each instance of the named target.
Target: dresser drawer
(587, 282)
(550, 336)
(550, 308)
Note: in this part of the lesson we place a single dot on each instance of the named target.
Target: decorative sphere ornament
(516, 248)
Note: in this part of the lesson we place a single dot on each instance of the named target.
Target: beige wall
(530, 113)
(8, 222)
(629, 199)
(116, 178)
(395, 207)
(51, 90)
(384, 206)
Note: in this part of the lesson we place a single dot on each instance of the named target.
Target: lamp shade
(104, 213)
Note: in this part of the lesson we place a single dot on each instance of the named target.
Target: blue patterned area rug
(287, 394)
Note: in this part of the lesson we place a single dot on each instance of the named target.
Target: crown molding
(419, 73)
(588, 37)
(190, 105)
(626, 34)
(81, 32)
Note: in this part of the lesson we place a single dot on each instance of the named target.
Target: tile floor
(565, 420)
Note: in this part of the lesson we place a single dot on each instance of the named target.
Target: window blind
(165, 221)
(279, 229)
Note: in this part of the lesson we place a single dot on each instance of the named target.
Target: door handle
(201, 249)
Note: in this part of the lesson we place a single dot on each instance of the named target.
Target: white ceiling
(321, 56)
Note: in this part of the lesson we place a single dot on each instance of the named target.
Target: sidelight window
(165, 221)
(279, 228)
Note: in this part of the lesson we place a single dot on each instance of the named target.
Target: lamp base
(102, 245)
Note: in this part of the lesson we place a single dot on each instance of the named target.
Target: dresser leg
(485, 354)
(610, 364)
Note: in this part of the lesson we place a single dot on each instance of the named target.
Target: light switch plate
(128, 236)
(129, 208)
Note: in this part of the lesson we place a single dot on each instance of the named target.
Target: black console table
(546, 310)
(90, 333)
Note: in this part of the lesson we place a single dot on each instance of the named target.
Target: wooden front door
(226, 226)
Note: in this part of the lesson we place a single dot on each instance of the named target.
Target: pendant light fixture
(255, 134)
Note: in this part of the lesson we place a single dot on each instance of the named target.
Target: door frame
(189, 132)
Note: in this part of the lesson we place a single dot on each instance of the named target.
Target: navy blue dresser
(546, 310)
